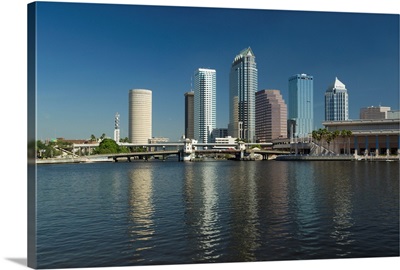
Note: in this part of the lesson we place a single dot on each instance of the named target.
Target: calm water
(142, 213)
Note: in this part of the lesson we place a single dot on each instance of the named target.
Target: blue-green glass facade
(301, 104)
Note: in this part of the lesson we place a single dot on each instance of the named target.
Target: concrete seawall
(335, 158)
(72, 160)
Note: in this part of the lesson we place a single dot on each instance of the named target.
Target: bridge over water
(239, 155)
(187, 150)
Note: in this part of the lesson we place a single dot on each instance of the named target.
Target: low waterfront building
(226, 140)
(158, 140)
(393, 114)
(219, 133)
(377, 136)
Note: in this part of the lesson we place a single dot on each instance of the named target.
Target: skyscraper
(140, 115)
(205, 91)
(374, 112)
(243, 83)
(189, 115)
(301, 103)
(336, 102)
(271, 116)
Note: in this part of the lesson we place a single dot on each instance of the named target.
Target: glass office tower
(301, 116)
(336, 102)
(243, 83)
(205, 91)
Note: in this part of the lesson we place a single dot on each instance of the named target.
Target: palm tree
(335, 134)
(343, 134)
(324, 133)
(328, 139)
(316, 135)
(346, 143)
(348, 135)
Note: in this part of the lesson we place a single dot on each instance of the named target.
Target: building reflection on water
(342, 219)
(144, 213)
(141, 213)
(202, 212)
(245, 232)
(274, 207)
(304, 202)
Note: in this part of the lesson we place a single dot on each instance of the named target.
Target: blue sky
(90, 55)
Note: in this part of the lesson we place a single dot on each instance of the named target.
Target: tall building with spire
(243, 84)
(301, 104)
(336, 102)
(205, 103)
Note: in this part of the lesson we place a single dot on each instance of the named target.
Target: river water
(145, 213)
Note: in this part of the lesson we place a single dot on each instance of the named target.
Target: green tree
(317, 136)
(335, 134)
(93, 138)
(256, 146)
(346, 134)
(343, 134)
(46, 150)
(124, 140)
(108, 146)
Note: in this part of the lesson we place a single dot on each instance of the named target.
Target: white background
(13, 132)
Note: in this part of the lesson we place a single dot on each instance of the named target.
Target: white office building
(336, 102)
(205, 91)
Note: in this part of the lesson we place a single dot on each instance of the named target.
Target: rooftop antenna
(116, 129)
(116, 121)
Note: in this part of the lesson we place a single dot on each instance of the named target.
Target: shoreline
(99, 159)
(335, 158)
(72, 160)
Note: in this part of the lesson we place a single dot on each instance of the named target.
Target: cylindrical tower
(140, 115)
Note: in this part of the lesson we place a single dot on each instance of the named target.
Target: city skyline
(92, 56)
